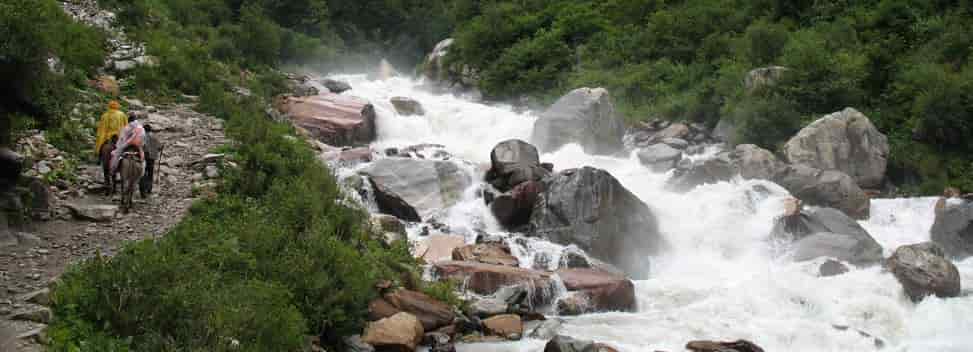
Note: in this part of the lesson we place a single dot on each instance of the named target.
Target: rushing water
(720, 279)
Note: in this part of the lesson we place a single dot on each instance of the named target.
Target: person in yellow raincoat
(111, 123)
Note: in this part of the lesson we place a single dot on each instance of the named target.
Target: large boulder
(699, 173)
(336, 86)
(589, 208)
(514, 208)
(715, 346)
(513, 162)
(427, 185)
(391, 203)
(332, 119)
(407, 106)
(753, 162)
(660, 157)
(585, 116)
(487, 279)
(827, 188)
(490, 253)
(845, 141)
(561, 343)
(602, 291)
(826, 232)
(508, 326)
(923, 270)
(432, 313)
(401, 332)
(953, 227)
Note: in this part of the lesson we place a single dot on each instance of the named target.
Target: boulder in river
(753, 162)
(513, 162)
(489, 253)
(400, 332)
(487, 279)
(699, 173)
(846, 141)
(827, 188)
(602, 291)
(562, 343)
(508, 326)
(391, 203)
(432, 313)
(953, 227)
(660, 157)
(826, 232)
(923, 270)
(407, 106)
(332, 119)
(585, 116)
(336, 86)
(513, 209)
(714, 346)
(427, 185)
(589, 208)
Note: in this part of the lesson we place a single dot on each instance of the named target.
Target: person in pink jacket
(133, 135)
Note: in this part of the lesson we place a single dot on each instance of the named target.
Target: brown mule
(131, 169)
(104, 157)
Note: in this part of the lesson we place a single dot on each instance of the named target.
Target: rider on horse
(132, 136)
(111, 123)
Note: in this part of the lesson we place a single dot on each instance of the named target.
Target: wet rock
(354, 343)
(400, 332)
(830, 188)
(489, 253)
(488, 307)
(487, 279)
(660, 157)
(832, 267)
(432, 313)
(713, 346)
(514, 209)
(438, 247)
(347, 156)
(753, 162)
(826, 232)
(845, 141)
(407, 106)
(675, 130)
(545, 329)
(585, 116)
(923, 270)
(572, 304)
(508, 326)
(335, 86)
(37, 315)
(574, 258)
(702, 172)
(603, 291)
(676, 143)
(953, 227)
(93, 212)
(589, 208)
(332, 119)
(561, 343)
(391, 203)
(513, 162)
(438, 342)
(427, 185)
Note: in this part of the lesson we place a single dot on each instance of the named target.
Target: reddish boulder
(712, 346)
(401, 332)
(331, 118)
(432, 313)
(508, 326)
(514, 209)
(489, 253)
(603, 291)
(487, 279)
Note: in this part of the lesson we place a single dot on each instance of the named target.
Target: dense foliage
(906, 64)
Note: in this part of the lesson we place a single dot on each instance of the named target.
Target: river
(721, 279)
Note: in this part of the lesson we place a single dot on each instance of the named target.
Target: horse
(104, 157)
(131, 169)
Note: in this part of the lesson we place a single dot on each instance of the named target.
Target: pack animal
(131, 169)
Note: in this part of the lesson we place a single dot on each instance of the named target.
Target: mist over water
(720, 278)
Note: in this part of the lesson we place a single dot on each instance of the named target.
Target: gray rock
(427, 185)
(725, 130)
(845, 141)
(488, 307)
(93, 212)
(354, 343)
(561, 343)
(513, 162)
(832, 267)
(753, 162)
(953, 227)
(212, 171)
(546, 329)
(826, 232)
(336, 86)
(125, 65)
(676, 143)
(589, 208)
(574, 258)
(391, 203)
(660, 157)
(763, 77)
(699, 173)
(924, 271)
(829, 188)
(407, 106)
(585, 116)
(38, 315)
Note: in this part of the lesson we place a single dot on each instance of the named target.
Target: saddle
(132, 153)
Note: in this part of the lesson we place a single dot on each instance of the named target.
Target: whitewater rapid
(720, 280)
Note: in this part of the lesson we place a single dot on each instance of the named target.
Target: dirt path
(47, 248)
